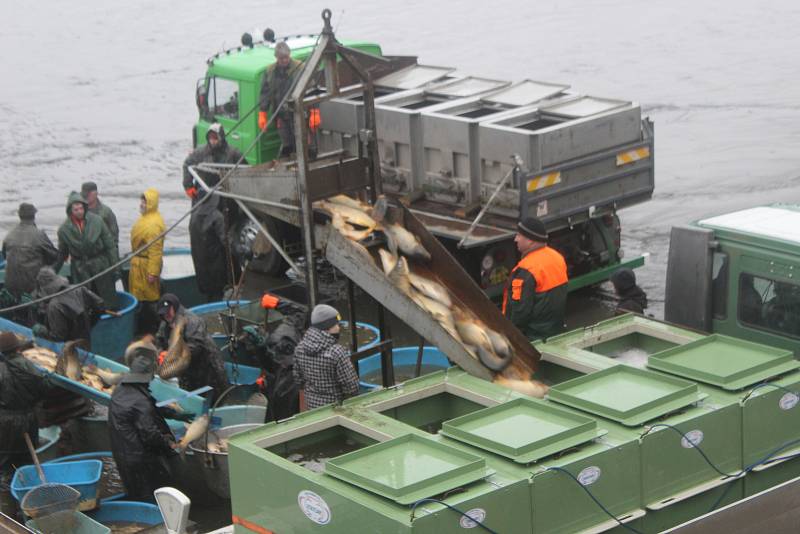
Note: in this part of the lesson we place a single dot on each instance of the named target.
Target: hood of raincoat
(49, 282)
(76, 197)
(150, 200)
(218, 129)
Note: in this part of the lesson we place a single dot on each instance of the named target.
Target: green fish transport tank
(645, 422)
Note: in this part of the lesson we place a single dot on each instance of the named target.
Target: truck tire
(266, 258)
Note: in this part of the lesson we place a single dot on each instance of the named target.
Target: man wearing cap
(89, 192)
(206, 367)
(141, 441)
(22, 386)
(277, 81)
(26, 249)
(535, 296)
(216, 150)
(631, 297)
(322, 368)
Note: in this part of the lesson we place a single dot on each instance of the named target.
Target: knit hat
(10, 342)
(87, 188)
(26, 211)
(532, 228)
(324, 317)
(623, 279)
(167, 301)
(142, 366)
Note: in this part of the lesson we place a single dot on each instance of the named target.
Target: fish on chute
(347, 230)
(69, 364)
(350, 202)
(109, 378)
(349, 215)
(475, 333)
(398, 238)
(430, 289)
(178, 356)
(531, 387)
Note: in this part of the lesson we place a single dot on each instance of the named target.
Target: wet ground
(106, 92)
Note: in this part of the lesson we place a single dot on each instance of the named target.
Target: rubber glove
(262, 120)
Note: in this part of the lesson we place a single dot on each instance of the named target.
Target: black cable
(768, 384)
(591, 495)
(422, 501)
(699, 450)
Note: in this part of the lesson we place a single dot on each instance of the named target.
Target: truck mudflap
(360, 264)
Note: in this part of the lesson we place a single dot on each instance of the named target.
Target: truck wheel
(266, 258)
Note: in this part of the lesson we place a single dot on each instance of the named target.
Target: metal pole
(420, 349)
(387, 368)
(271, 239)
(351, 305)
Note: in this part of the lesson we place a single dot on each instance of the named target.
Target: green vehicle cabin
(737, 274)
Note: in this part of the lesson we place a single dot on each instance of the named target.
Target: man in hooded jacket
(69, 316)
(26, 249)
(22, 386)
(144, 281)
(207, 238)
(216, 150)
(631, 297)
(141, 441)
(86, 240)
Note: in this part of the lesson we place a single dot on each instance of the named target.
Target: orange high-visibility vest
(546, 265)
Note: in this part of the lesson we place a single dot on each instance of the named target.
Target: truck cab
(735, 274)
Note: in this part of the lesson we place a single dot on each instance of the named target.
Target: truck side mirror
(201, 98)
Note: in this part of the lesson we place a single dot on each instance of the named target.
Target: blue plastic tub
(344, 339)
(83, 475)
(403, 359)
(113, 513)
(111, 335)
(98, 455)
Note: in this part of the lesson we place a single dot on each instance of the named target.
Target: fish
(42, 357)
(109, 378)
(475, 333)
(400, 239)
(347, 230)
(438, 311)
(193, 432)
(500, 343)
(349, 215)
(69, 364)
(431, 289)
(399, 276)
(178, 356)
(533, 388)
(388, 260)
(350, 202)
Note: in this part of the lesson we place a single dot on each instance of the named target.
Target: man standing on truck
(535, 296)
(216, 150)
(277, 81)
(89, 192)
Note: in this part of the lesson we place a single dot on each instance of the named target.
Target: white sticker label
(541, 208)
(469, 520)
(692, 439)
(788, 401)
(589, 475)
(314, 507)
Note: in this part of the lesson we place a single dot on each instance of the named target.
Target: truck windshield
(223, 97)
(768, 304)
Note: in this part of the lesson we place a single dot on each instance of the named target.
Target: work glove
(269, 302)
(262, 120)
(191, 192)
(161, 356)
(39, 330)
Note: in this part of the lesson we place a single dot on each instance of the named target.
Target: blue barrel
(111, 335)
(405, 361)
(220, 339)
(118, 513)
(362, 330)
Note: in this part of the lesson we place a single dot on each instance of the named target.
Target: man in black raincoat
(141, 440)
(22, 386)
(216, 150)
(86, 240)
(69, 316)
(207, 238)
(631, 297)
(206, 367)
(26, 249)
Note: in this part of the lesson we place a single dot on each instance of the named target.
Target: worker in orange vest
(535, 296)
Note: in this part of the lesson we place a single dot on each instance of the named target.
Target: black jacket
(21, 387)
(71, 315)
(140, 440)
(26, 249)
(224, 153)
(207, 367)
(632, 299)
(207, 238)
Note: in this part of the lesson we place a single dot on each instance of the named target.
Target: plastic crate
(83, 475)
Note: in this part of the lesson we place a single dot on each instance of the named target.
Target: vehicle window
(771, 305)
(223, 97)
(719, 285)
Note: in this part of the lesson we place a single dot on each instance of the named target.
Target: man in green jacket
(89, 192)
(86, 240)
(277, 81)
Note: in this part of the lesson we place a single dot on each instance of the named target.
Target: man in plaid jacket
(322, 368)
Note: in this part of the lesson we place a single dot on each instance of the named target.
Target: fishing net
(50, 499)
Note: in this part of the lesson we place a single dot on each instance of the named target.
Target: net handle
(35, 457)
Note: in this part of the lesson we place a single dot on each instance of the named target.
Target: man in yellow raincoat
(144, 278)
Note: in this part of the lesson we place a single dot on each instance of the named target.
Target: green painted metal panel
(625, 394)
(603, 274)
(524, 430)
(758, 481)
(656, 521)
(771, 419)
(723, 361)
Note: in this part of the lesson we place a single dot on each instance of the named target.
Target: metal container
(215, 464)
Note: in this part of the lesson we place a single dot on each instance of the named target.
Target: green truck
(734, 274)
(445, 142)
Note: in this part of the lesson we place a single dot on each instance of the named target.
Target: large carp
(475, 333)
(348, 214)
(178, 355)
(69, 364)
(194, 432)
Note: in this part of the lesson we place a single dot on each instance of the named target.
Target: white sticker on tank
(788, 401)
(314, 507)
(692, 439)
(541, 208)
(589, 475)
(469, 519)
